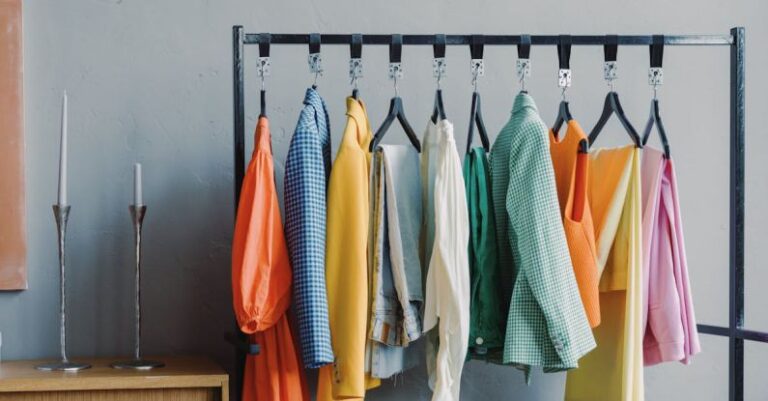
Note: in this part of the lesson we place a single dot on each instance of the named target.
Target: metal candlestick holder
(137, 215)
(61, 213)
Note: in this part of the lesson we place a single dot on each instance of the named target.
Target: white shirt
(448, 285)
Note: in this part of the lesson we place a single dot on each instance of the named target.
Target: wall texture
(151, 82)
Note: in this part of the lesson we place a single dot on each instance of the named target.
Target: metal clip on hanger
(656, 78)
(477, 68)
(314, 59)
(263, 69)
(438, 71)
(563, 81)
(523, 64)
(396, 110)
(612, 105)
(355, 62)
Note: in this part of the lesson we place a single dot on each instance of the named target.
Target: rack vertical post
(736, 248)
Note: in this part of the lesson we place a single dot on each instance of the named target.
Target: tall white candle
(137, 194)
(63, 153)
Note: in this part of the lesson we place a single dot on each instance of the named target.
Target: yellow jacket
(346, 263)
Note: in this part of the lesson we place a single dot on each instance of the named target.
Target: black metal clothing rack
(735, 330)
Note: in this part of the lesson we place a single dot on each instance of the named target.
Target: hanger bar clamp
(610, 50)
(476, 65)
(493, 40)
(523, 63)
(438, 60)
(314, 60)
(655, 73)
(263, 69)
(564, 61)
(356, 58)
(395, 57)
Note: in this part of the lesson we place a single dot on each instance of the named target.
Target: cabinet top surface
(178, 372)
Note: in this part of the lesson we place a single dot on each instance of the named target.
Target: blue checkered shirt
(307, 168)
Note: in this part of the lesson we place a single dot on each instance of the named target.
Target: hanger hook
(394, 80)
(476, 64)
(655, 72)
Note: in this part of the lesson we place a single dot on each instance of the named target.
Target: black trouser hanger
(475, 111)
(657, 55)
(612, 105)
(396, 110)
(564, 61)
(438, 109)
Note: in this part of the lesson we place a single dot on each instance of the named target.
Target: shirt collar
(524, 101)
(356, 109)
(263, 139)
(312, 98)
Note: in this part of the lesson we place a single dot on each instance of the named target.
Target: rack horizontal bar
(714, 330)
(594, 40)
(749, 335)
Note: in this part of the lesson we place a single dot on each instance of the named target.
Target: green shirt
(486, 317)
(546, 323)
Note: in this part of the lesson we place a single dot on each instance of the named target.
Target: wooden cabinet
(182, 379)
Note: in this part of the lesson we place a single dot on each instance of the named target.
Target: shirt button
(479, 341)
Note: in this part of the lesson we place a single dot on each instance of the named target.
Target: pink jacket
(668, 317)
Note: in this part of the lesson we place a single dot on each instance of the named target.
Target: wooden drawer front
(169, 394)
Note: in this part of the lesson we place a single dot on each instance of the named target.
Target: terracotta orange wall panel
(13, 247)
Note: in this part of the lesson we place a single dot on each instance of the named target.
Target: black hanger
(612, 105)
(524, 53)
(264, 41)
(396, 110)
(657, 55)
(438, 110)
(314, 48)
(564, 60)
(475, 113)
(356, 52)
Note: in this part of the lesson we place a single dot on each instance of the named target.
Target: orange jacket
(261, 282)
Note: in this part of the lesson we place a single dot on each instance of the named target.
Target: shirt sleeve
(305, 212)
(261, 273)
(664, 341)
(690, 330)
(533, 209)
(346, 271)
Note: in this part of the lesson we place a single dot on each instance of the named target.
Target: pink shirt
(668, 317)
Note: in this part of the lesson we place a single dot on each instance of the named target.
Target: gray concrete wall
(151, 82)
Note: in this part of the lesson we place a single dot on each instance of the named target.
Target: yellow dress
(346, 258)
(614, 370)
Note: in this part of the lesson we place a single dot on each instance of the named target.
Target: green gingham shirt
(546, 324)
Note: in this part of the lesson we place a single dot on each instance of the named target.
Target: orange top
(261, 282)
(571, 176)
